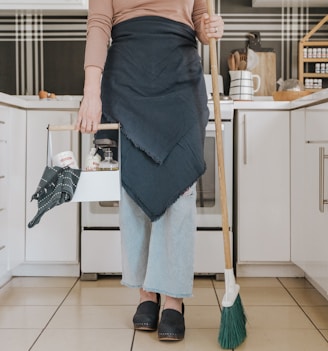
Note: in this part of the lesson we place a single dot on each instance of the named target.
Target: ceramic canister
(242, 85)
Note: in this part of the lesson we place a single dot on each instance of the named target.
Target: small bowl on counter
(289, 95)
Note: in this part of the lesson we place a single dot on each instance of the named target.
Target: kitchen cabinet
(262, 186)
(56, 238)
(309, 193)
(12, 185)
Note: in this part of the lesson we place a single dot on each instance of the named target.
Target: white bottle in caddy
(93, 160)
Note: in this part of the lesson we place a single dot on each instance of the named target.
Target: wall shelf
(307, 72)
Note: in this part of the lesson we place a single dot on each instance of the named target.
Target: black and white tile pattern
(40, 51)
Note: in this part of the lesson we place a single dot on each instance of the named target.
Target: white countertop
(262, 104)
(73, 102)
(267, 102)
(31, 102)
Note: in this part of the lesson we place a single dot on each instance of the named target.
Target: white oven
(104, 215)
(100, 237)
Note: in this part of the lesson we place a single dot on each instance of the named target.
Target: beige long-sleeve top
(104, 14)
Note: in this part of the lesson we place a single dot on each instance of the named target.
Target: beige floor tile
(25, 317)
(195, 340)
(103, 281)
(308, 297)
(32, 296)
(318, 315)
(202, 296)
(42, 282)
(258, 282)
(295, 283)
(325, 333)
(95, 296)
(263, 296)
(203, 282)
(277, 317)
(283, 340)
(202, 317)
(251, 282)
(93, 317)
(18, 339)
(219, 284)
(97, 315)
(84, 340)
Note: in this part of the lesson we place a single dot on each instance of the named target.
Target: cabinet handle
(245, 139)
(322, 201)
(2, 247)
(2, 177)
(2, 122)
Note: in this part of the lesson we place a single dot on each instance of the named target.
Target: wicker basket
(289, 95)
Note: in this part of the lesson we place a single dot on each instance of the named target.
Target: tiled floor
(66, 314)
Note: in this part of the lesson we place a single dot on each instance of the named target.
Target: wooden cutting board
(266, 69)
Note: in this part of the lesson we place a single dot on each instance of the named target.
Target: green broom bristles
(233, 325)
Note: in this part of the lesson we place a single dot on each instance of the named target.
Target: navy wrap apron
(153, 85)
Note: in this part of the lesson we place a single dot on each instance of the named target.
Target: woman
(144, 53)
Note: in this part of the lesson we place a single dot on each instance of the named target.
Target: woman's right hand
(90, 111)
(89, 114)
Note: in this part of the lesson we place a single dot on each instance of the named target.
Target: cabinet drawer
(101, 251)
(316, 124)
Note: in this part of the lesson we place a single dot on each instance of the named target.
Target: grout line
(217, 296)
(132, 343)
(52, 316)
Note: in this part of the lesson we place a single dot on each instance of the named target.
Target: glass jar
(108, 163)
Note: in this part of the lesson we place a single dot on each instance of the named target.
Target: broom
(233, 321)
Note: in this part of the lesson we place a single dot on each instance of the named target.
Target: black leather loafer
(172, 325)
(146, 316)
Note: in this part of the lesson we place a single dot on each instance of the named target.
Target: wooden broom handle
(219, 144)
(103, 126)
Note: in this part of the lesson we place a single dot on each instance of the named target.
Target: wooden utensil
(242, 65)
(237, 59)
(231, 62)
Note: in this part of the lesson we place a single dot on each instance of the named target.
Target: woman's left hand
(212, 26)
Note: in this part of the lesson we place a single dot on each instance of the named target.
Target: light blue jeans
(159, 256)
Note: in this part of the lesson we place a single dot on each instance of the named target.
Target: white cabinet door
(12, 189)
(55, 238)
(309, 221)
(4, 157)
(263, 186)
